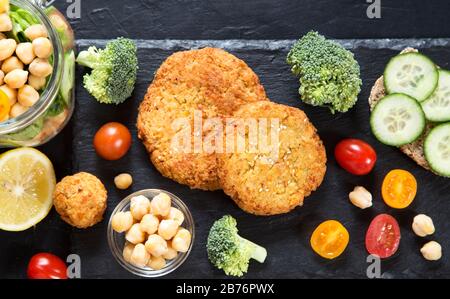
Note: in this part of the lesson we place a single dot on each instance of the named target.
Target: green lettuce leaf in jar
(38, 76)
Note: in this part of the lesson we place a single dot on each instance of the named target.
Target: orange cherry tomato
(5, 106)
(330, 239)
(399, 189)
(112, 141)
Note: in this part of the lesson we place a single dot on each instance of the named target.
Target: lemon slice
(27, 181)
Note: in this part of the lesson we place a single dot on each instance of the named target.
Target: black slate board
(286, 237)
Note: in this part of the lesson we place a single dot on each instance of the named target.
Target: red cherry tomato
(355, 156)
(383, 236)
(112, 141)
(46, 266)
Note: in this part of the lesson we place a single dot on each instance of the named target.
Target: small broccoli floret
(329, 74)
(114, 70)
(230, 252)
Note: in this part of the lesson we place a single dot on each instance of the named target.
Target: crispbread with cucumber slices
(415, 149)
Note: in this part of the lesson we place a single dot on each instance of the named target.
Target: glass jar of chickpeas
(37, 73)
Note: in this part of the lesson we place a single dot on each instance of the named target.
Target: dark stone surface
(259, 19)
(286, 237)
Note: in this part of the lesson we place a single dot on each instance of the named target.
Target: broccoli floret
(114, 70)
(230, 252)
(329, 74)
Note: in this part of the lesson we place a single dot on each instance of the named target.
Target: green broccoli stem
(88, 58)
(258, 253)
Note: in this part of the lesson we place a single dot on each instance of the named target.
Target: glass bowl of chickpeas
(151, 233)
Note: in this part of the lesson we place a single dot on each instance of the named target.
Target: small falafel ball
(80, 199)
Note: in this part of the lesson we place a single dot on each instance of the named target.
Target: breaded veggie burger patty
(210, 81)
(276, 181)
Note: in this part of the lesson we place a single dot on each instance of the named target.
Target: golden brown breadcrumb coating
(262, 185)
(80, 199)
(209, 80)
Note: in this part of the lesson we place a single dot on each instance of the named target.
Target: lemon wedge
(27, 181)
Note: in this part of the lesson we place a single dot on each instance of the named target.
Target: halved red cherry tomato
(399, 188)
(355, 156)
(330, 239)
(46, 266)
(112, 141)
(383, 236)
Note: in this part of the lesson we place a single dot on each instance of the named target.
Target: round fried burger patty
(208, 80)
(263, 183)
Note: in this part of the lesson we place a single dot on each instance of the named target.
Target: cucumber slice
(413, 74)
(437, 149)
(397, 120)
(437, 106)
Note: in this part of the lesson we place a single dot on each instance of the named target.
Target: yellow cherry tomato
(330, 239)
(399, 188)
(5, 107)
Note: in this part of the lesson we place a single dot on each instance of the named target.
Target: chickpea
(42, 47)
(17, 110)
(5, 22)
(25, 52)
(2, 76)
(140, 206)
(168, 228)
(360, 197)
(156, 263)
(156, 245)
(140, 256)
(40, 67)
(36, 31)
(182, 240)
(432, 251)
(423, 225)
(135, 235)
(7, 48)
(127, 251)
(171, 253)
(122, 221)
(123, 180)
(10, 92)
(12, 63)
(161, 204)
(149, 224)
(36, 82)
(176, 215)
(16, 78)
(27, 96)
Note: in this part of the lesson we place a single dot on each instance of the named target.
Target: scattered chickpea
(12, 63)
(123, 180)
(16, 78)
(182, 240)
(10, 92)
(168, 228)
(127, 251)
(42, 47)
(156, 262)
(7, 48)
(36, 82)
(161, 204)
(17, 110)
(36, 31)
(5, 22)
(140, 256)
(149, 224)
(122, 221)
(135, 235)
(40, 67)
(24, 52)
(360, 197)
(27, 96)
(431, 251)
(140, 206)
(156, 245)
(171, 253)
(423, 225)
(176, 215)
